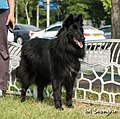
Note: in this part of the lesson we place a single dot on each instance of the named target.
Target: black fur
(56, 61)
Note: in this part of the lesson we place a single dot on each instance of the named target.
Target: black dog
(57, 61)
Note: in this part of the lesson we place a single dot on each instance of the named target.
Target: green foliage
(95, 10)
(30, 5)
(74, 7)
(90, 9)
(107, 6)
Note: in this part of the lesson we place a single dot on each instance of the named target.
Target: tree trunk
(115, 20)
(26, 11)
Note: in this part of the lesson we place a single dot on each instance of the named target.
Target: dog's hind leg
(57, 87)
(25, 85)
(23, 92)
(40, 92)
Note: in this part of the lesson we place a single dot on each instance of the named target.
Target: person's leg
(4, 57)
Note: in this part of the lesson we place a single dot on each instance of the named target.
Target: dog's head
(73, 26)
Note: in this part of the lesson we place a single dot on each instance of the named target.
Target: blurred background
(43, 18)
(95, 12)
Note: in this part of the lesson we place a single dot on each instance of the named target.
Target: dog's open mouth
(80, 44)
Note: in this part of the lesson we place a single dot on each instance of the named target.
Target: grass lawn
(12, 108)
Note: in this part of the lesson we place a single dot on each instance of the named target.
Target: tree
(73, 7)
(95, 11)
(26, 6)
(116, 24)
(116, 19)
(107, 8)
(90, 9)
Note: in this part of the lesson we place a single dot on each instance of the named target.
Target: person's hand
(11, 19)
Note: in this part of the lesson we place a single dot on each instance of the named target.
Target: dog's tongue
(78, 43)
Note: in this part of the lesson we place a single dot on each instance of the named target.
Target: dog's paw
(70, 106)
(59, 108)
(40, 99)
(22, 100)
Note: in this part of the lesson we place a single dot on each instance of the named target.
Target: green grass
(12, 108)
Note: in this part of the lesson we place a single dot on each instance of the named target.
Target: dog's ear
(68, 21)
(79, 19)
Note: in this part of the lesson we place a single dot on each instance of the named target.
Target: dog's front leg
(57, 86)
(69, 89)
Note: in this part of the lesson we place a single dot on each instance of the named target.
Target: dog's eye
(81, 35)
(82, 38)
(74, 26)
